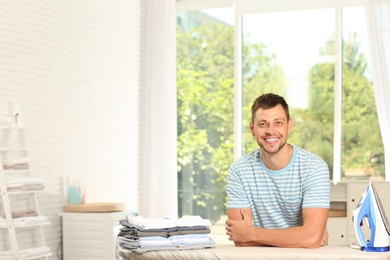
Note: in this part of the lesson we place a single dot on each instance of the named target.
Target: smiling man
(277, 195)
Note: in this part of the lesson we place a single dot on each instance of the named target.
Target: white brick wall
(74, 68)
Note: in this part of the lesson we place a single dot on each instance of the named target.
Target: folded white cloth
(16, 160)
(185, 221)
(26, 187)
(30, 220)
(25, 220)
(183, 240)
(23, 213)
(31, 252)
(23, 181)
(36, 251)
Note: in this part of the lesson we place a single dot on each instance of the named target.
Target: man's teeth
(272, 140)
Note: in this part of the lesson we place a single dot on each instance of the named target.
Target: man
(277, 195)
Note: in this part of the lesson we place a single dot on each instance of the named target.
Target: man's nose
(269, 130)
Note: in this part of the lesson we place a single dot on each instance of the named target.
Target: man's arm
(235, 214)
(311, 234)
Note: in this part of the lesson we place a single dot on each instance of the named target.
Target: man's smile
(271, 140)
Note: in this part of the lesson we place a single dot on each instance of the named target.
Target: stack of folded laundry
(142, 235)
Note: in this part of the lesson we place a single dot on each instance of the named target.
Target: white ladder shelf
(19, 194)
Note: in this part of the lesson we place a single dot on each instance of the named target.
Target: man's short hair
(267, 101)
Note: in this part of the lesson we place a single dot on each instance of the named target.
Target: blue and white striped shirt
(277, 197)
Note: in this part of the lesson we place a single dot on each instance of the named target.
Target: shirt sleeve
(317, 188)
(236, 195)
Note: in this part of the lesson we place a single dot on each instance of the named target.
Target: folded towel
(25, 220)
(20, 160)
(31, 252)
(36, 251)
(26, 187)
(30, 220)
(16, 163)
(23, 181)
(23, 213)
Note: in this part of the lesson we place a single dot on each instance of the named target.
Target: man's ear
(251, 126)
(290, 125)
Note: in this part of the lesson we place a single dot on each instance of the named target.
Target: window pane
(362, 148)
(205, 89)
(292, 54)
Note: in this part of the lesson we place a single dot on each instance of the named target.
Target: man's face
(271, 129)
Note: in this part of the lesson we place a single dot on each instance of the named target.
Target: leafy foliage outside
(362, 148)
(205, 95)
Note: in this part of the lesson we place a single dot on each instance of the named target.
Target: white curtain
(158, 176)
(378, 19)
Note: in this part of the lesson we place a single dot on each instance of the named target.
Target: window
(312, 53)
(362, 146)
(205, 94)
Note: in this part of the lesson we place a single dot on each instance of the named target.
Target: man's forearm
(311, 234)
(289, 237)
(250, 243)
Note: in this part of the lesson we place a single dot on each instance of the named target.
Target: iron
(370, 208)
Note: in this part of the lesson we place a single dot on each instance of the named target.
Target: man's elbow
(242, 244)
(238, 244)
(313, 246)
(312, 242)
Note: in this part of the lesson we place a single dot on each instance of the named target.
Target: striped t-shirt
(277, 197)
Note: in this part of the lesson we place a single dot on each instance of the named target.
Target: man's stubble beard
(280, 147)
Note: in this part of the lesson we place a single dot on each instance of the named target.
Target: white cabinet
(90, 236)
(21, 225)
(337, 231)
(344, 198)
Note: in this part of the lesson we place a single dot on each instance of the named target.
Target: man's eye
(262, 125)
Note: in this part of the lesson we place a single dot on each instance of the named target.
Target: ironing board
(230, 252)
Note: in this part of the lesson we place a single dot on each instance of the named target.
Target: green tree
(314, 128)
(205, 80)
